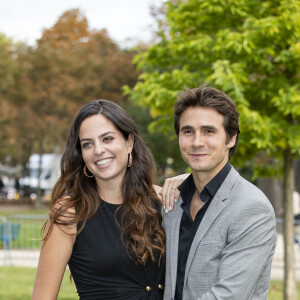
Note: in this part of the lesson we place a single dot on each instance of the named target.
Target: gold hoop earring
(129, 160)
(86, 174)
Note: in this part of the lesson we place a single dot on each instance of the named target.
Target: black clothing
(101, 267)
(188, 226)
(1, 184)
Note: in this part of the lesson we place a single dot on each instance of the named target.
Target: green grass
(16, 284)
(276, 290)
(29, 211)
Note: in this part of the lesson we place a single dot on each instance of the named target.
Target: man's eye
(188, 131)
(208, 131)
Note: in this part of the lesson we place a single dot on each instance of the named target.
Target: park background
(248, 49)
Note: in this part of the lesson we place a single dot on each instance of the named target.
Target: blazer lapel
(215, 208)
(176, 220)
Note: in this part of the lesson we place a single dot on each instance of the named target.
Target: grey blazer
(231, 254)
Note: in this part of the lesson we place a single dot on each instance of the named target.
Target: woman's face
(104, 149)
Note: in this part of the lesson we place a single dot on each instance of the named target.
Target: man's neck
(201, 179)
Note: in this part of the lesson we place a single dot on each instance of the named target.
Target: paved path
(278, 265)
(20, 258)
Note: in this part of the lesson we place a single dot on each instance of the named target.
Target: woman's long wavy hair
(141, 220)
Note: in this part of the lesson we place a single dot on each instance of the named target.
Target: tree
(72, 65)
(91, 63)
(6, 72)
(43, 87)
(161, 147)
(251, 51)
(13, 68)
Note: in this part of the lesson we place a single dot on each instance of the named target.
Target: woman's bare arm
(54, 256)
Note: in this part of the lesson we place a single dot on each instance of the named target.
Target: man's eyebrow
(211, 127)
(185, 127)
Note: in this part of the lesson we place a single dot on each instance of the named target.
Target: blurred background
(49, 73)
(55, 56)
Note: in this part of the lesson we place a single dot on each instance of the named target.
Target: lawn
(276, 290)
(16, 284)
(23, 211)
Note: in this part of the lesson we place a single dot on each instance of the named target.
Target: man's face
(202, 140)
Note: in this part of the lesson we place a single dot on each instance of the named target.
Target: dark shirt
(188, 226)
(103, 268)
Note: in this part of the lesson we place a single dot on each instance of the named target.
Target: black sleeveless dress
(101, 267)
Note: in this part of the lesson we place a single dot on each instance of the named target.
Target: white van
(50, 172)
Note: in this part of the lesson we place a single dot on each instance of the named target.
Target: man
(221, 234)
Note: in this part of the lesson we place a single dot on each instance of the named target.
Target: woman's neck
(111, 193)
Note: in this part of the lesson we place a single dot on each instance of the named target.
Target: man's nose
(198, 140)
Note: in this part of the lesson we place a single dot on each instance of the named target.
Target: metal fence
(20, 239)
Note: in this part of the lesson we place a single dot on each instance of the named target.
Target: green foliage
(160, 145)
(43, 87)
(6, 62)
(249, 49)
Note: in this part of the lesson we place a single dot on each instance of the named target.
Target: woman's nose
(99, 148)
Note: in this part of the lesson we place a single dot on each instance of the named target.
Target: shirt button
(160, 287)
(148, 288)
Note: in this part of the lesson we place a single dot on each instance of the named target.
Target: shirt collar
(217, 181)
(187, 187)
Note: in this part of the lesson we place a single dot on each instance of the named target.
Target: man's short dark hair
(205, 96)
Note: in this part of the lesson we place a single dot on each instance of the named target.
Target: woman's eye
(86, 145)
(108, 139)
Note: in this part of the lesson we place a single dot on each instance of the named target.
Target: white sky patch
(24, 20)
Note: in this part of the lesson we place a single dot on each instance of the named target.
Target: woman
(105, 220)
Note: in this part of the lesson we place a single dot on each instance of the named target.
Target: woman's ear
(130, 142)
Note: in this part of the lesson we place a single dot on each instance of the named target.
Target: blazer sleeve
(246, 259)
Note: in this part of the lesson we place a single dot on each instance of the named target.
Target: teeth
(103, 162)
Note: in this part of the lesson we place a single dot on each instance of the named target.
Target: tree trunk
(38, 200)
(288, 228)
